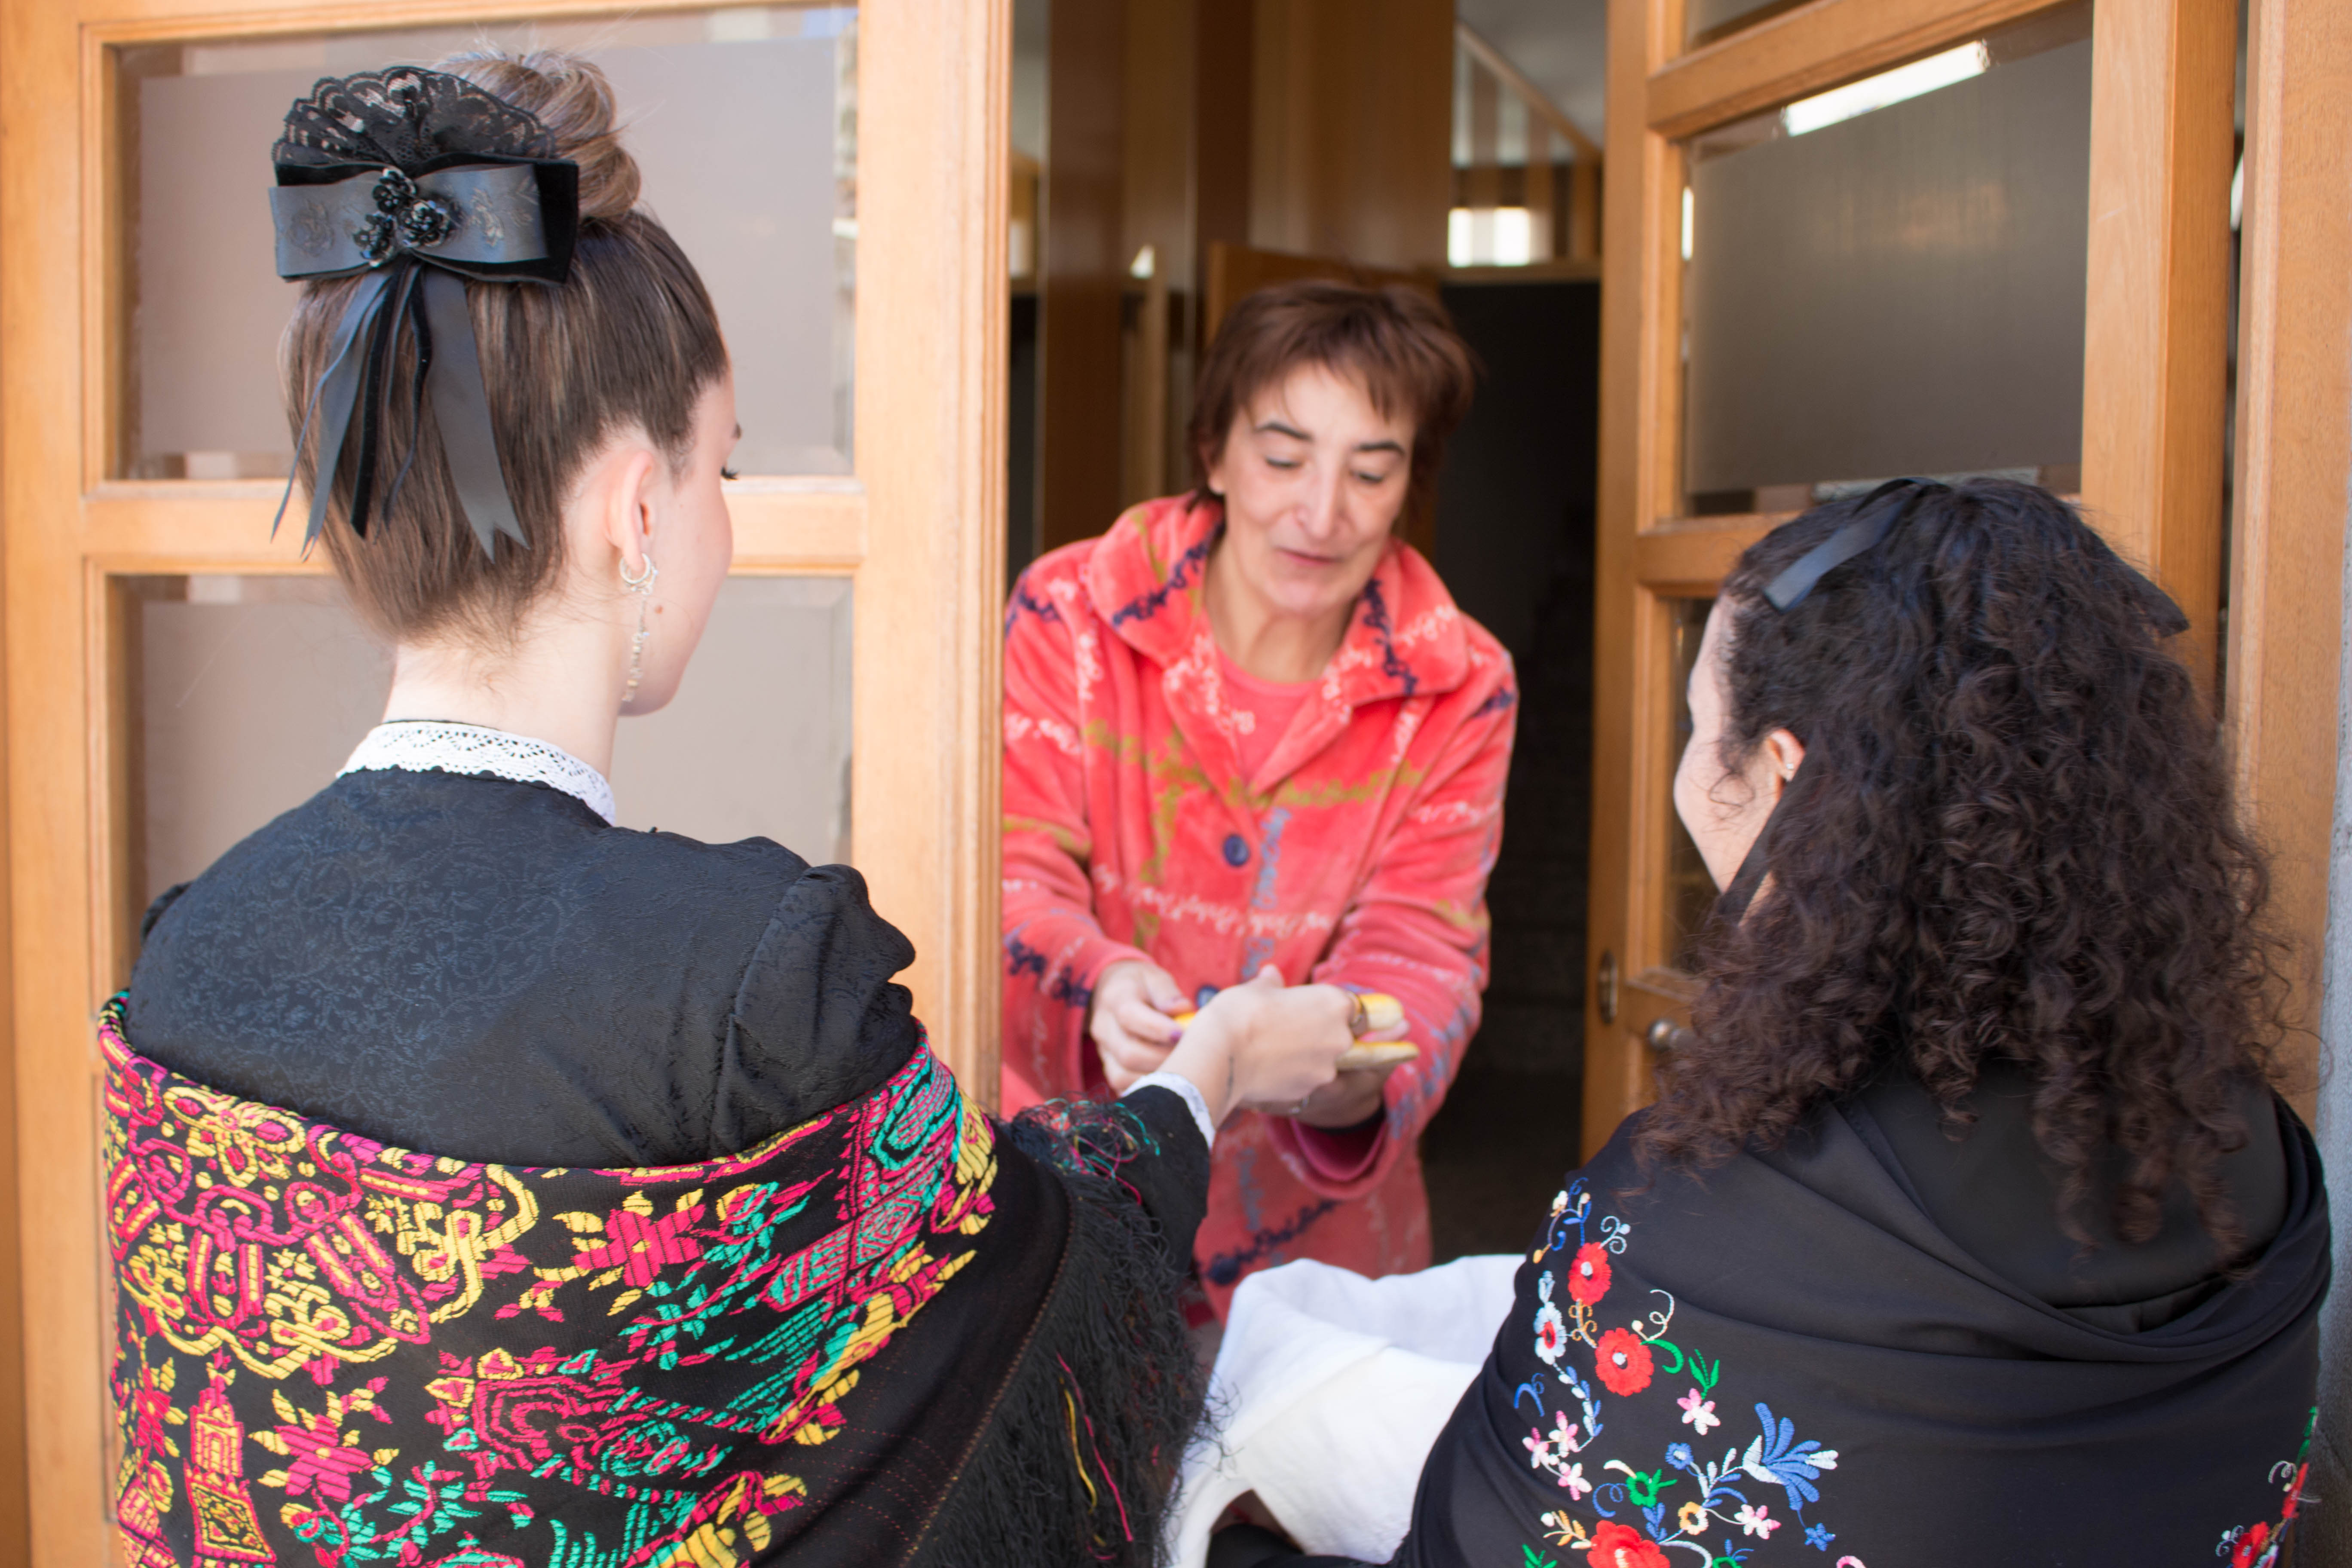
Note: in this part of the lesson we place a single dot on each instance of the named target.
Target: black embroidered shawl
(1784, 1362)
(332, 1352)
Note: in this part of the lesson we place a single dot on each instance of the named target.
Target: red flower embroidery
(2295, 1492)
(2250, 1547)
(1624, 1362)
(642, 1244)
(1621, 1546)
(1588, 1274)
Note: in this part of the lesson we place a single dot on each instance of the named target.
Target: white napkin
(1329, 1389)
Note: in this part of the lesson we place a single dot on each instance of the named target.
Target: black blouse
(487, 970)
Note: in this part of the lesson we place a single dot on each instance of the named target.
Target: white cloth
(426, 747)
(1328, 1391)
(1185, 1090)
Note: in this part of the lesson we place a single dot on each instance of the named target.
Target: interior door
(1809, 207)
(174, 675)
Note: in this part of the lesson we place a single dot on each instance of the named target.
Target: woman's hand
(1129, 1020)
(1264, 1044)
(1356, 1094)
(1347, 1100)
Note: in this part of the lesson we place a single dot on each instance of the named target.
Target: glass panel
(1888, 278)
(756, 742)
(1689, 891)
(253, 691)
(1708, 20)
(744, 122)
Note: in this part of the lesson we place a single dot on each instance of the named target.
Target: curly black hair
(2013, 837)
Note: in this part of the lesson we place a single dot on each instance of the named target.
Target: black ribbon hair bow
(415, 180)
(1875, 516)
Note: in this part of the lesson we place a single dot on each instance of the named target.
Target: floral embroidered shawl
(1782, 1361)
(338, 1353)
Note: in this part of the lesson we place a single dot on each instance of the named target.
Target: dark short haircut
(2013, 839)
(1396, 341)
(628, 342)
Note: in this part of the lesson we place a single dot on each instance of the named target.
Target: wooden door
(911, 520)
(2154, 286)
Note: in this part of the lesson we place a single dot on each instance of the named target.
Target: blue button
(1236, 852)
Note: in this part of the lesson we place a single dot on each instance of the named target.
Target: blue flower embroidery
(1777, 1456)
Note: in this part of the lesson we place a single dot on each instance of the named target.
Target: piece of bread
(1381, 1011)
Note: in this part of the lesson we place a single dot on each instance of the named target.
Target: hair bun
(572, 98)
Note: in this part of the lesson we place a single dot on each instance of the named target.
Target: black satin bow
(416, 236)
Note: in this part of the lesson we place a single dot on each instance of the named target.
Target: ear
(1787, 755)
(626, 509)
(1212, 469)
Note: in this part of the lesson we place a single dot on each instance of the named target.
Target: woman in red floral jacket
(1247, 728)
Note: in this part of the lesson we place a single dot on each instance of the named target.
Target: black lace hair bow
(415, 180)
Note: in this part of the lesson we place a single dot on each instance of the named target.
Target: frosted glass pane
(1707, 20)
(743, 121)
(253, 691)
(756, 742)
(1899, 292)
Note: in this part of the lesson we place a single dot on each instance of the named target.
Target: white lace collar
(423, 745)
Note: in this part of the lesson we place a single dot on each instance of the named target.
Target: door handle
(1666, 1034)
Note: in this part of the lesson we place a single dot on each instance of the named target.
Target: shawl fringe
(1076, 1463)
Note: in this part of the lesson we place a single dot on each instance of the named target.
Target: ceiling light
(1886, 88)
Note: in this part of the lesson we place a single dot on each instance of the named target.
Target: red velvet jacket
(1357, 856)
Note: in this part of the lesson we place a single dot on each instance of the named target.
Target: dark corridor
(1515, 543)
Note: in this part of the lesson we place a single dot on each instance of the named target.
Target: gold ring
(1360, 1018)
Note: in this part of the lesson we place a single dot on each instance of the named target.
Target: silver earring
(642, 585)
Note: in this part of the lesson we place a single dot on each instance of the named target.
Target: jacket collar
(1146, 578)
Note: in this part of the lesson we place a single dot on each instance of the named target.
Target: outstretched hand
(1264, 1044)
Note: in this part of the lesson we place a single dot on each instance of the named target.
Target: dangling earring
(642, 585)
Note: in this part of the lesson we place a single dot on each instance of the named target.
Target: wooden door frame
(2154, 384)
(918, 529)
(2287, 601)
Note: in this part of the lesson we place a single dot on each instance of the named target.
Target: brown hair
(1395, 339)
(628, 342)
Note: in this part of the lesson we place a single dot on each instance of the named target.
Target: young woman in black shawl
(492, 1185)
(1969, 1228)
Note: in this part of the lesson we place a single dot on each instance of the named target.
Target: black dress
(487, 971)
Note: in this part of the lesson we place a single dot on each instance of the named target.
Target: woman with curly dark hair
(1969, 1227)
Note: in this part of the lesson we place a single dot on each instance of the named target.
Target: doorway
(1514, 545)
(1183, 154)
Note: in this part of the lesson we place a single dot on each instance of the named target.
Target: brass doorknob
(1666, 1034)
